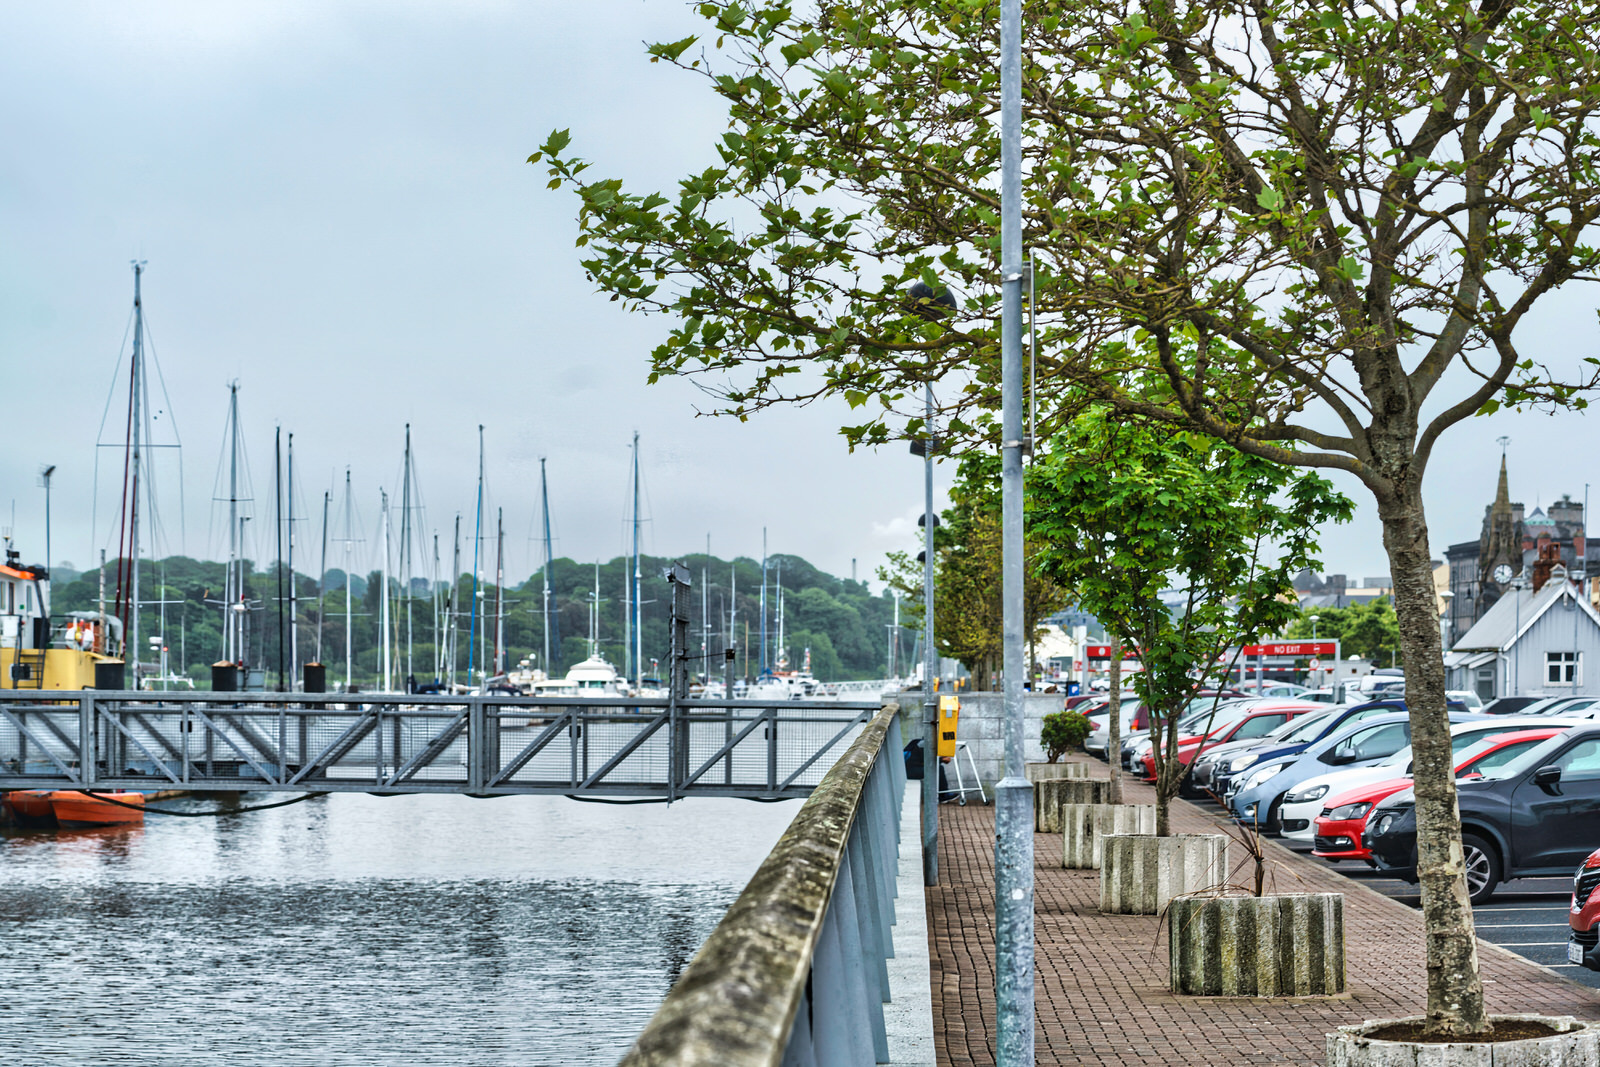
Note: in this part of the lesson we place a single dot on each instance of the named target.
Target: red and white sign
(1316, 664)
(1294, 648)
(1097, 651)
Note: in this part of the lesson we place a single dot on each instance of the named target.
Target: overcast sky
(335, 209)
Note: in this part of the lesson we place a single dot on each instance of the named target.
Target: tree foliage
(1184, 546)
(1370, 631)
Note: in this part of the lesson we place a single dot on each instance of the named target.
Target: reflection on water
(363, 930)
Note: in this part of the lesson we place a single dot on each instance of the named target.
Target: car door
(1369, 745)
(1558, 824)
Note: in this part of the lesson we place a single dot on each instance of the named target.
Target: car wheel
(1483, 867)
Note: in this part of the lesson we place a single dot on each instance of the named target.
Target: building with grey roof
(1531, 642)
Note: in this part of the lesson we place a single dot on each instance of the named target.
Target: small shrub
(1061, 732)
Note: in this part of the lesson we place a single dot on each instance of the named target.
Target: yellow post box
(949, 715)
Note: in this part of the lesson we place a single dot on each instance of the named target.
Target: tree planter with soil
(1511, 1041)
(1142, 874)
(1273, 946)
(1050, 794)
(1084, 828)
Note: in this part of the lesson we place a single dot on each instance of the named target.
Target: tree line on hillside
(845, 628)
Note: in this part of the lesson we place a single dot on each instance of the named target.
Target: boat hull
(29, 805)
(80, 809)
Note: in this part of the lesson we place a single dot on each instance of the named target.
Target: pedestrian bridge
(495, 745)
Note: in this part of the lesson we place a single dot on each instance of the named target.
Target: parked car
(1583, 943)
(1535, 817)
(1245, 721)
(1225, 776)
(1211, 765)
(1344, 818)
(1511, 705)
(1468, 699)
(1209, 705)
(1256, 795)
(1099, 726)
(1302, 806)
(1270, 688)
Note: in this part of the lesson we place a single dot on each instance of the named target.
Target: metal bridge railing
(481, 745)
(796, 973)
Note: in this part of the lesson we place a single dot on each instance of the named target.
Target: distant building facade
(1512, 544)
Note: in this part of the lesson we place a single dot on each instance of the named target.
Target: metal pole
(930, 665)
(1014, 795)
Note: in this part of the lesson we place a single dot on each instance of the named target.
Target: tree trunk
(1114, 722)
(1455, 991)
(1164, 748)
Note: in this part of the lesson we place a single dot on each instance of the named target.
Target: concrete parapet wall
(1577, 1044)
(1050, 794)
(1141, 874)
(1275, 946)
(982, 727)
(1084, 828)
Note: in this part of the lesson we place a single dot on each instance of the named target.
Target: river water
(363, 930)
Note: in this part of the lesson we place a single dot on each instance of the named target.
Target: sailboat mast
(705, 613)
(763, 667)
(349, 587)
(277, 528)
(638, 612)
(433, 588)
(451, 620)
(499, 590)
(783, 653)
(544, 506)
(230, 651)
(405, 548)
(477, 540)
(322, 576)
(137, 383)
(383, 590)
(594, 615)
(294, 599)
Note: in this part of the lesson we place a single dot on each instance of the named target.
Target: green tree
(1341, 210)
(1184, 545)
(1370, 631)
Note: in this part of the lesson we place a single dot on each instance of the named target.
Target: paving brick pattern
(1101, 981)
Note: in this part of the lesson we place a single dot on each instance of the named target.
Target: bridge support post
(88, 728)
(477, 751)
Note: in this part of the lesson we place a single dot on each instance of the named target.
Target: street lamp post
(1314, 620)
(1014, 964)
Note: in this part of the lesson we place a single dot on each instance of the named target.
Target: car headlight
(1259, 775)
(1385, 821)
(1239, 763)
(1316, 792)
(1350, 811)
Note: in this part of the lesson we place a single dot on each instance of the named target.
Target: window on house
(1561, 668)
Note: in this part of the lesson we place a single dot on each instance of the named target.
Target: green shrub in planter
(1061, 732)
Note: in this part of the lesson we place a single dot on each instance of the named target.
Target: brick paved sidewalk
(1101, 987)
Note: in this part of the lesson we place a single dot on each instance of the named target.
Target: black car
(1534, 817)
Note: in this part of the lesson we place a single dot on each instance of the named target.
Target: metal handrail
(796, 971)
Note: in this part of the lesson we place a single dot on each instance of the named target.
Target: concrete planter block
(1577, 1045)
(1141, 874)
(1276, 946)
(1050, 794)
(1084, 828)
(1040, 772)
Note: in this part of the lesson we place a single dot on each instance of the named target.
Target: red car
(1583, 944)
(1344, 818)
(1263, 718)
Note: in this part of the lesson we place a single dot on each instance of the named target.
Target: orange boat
(73, 808)
(29, 805)
(69, 807)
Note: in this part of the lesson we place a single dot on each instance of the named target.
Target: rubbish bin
(316, 677)
(110, 674)
(224, 677)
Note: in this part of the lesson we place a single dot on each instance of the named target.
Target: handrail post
(88, 729)
(478, 774)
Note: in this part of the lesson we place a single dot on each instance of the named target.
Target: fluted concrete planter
(1040, 772)
(1141, 874)
(1084, 828)
(1577, 1045)
(1050, 794)
(1275, 946)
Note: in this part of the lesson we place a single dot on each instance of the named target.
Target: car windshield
(1218, 714)
(1459, 743)
(1526, 760)
(1305, 728)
